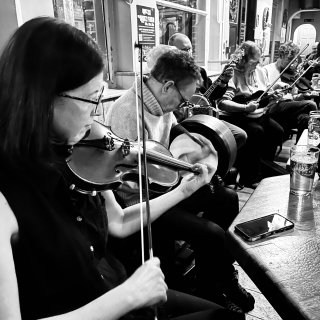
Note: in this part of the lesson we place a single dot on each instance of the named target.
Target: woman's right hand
(146, 287)
(252, 106)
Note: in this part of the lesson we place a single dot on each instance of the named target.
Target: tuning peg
(125, 147)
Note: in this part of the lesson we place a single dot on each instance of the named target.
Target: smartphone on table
(263, 227)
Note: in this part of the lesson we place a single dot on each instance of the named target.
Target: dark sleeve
(217, 93)
(206, 81)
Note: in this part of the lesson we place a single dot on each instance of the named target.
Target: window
(86, 15)
(187, 17)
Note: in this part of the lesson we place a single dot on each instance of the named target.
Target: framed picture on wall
(234, 9)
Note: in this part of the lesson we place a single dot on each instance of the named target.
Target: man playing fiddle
(291, 111)
(172, 81)
(310, 59)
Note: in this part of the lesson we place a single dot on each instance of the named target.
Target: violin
(104, 161)
(290, 76)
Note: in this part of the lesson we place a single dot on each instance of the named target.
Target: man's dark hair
(176, 65)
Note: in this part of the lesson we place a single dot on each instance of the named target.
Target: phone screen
(264, 226)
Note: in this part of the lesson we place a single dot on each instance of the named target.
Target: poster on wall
(233, 13)
(146, 29)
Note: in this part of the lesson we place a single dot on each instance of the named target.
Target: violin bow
(282, 72)
(144, 160)
(305, 71)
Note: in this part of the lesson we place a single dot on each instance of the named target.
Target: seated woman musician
(55, 260)
(239, 106)
(172, 80)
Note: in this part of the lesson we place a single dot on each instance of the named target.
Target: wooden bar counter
(285, 267)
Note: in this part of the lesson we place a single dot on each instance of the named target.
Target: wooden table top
(285, 267)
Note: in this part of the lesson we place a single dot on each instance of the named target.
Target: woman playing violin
(264, 134)
(291, 111)
(55, 260)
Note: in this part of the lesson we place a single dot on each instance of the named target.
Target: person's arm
(227, 104)
(235, 107)
(9, 297)
(145, 287)
(124, 222)
(218, 92)
(222, 86)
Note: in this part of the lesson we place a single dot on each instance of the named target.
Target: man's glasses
(186, 49)
(95, 102)
(184, 101)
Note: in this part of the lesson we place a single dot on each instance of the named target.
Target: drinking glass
(314, 128)
(303, 165)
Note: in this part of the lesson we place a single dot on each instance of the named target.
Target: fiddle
(292, 77)
(104, 161)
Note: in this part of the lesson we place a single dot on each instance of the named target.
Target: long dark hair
(44, 57)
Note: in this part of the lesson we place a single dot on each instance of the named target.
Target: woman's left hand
(227, 73)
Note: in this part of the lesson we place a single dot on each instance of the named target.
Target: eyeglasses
(95, 102)
(184, 101)
(253, 62)
(186, 49)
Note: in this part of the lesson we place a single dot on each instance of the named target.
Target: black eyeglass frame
(184, 101)
(186, 49)
(96, 103)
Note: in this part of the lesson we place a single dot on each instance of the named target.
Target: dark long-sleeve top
(217, 93)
